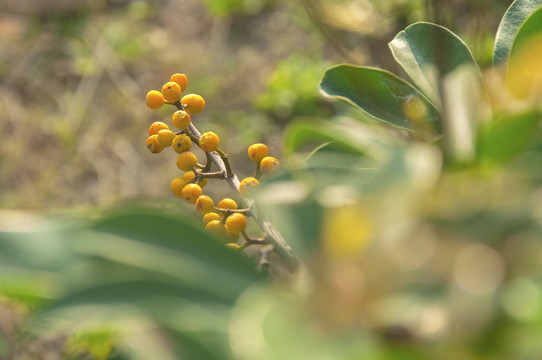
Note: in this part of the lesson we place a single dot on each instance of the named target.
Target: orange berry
(209, 141)
(215, 227)
(194, 103)
(236, 222)
(180, 79)
(191, 192)
(186, 160)
(181, 143)
(227, 203)
(171, 91)
(256, 152)
(269, 165)
(210, 216)
(157, 126)
(153, 145)
(189, 176)
(155, 99)
(233, 246)
(232, 237)
(204, 204)
(165, 137)
(177, 186)
(247, 184)
(181, 119)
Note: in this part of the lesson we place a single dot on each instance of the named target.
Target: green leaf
(509, 26)
(524, 76)
(345, 134)
(428, 53)
(382, 96)
(506, 136)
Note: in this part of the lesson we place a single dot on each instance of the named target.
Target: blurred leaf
(524, 76)
(509, 26)
(381, 95)
(308, 130)
(428, 53)
(506, 136)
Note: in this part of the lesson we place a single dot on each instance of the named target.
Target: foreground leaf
(509, 26)
(382, 96)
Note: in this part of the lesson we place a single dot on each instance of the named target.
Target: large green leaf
(509, 26)
(428, 53)
(524, 76)
(506, 136)
(381, 95)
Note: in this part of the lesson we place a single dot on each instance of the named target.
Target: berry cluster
(224, 219)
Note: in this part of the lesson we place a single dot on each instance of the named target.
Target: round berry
(236, 222)
(191, 192)
(215, 227)
(189, 177)
(155, 99)
(177, 186)
(181, 119)
(194, 103)
(204, 204)
(181, 143)
(186, 160)
(256, 152)
(210, 216)
(153, 145)
(227, 203)
(209, 141)
(180, 79)
(233, 246)
(171, 91)
(247, 184)
(157, 126)
(231, 237)
(269, 165)
(165, 137)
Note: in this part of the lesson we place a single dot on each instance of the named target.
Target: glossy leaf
(382, 96)
(516, 14)
(428, 53)
(506, 136)
(524, 76)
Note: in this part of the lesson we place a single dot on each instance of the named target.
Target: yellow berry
(227, 203)
(247, 184)
(181, 143)
(204, 204)
(157, 126)
(209, 141)
(165, 137)
(236, 222)
(171, 91)
(189, 176)
(155, 99)
(194, 103)
(181, 119)
(256, 152)
(177, 186)
(191, 192)
(186, 160)
(180, 79)
(269, 165)
(233, 246)
(210, 216)
(231, 237)
(215, 227)
(153, 145)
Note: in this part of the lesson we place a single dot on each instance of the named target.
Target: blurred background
(74, 74)
(407, 256)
